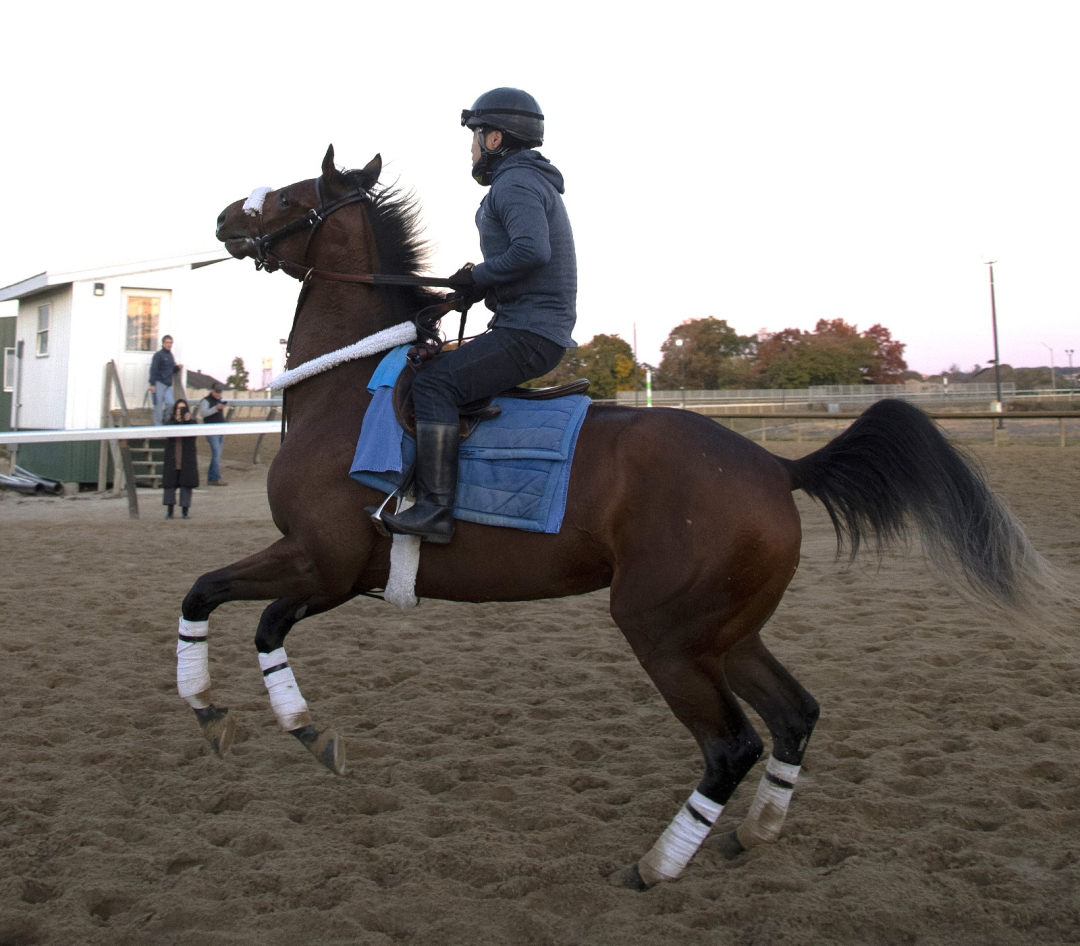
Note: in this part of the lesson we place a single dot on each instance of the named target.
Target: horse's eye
(283, 199)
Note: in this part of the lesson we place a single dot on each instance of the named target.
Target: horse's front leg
(289, 705)
(284, 570)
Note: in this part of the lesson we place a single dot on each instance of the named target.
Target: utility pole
(997, 355)
(1053, 381)
(1072, 377)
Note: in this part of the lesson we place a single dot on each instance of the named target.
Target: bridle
(267, 260)
(426, 320)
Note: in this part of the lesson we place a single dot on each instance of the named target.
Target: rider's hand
(465, 287)
(463, 278)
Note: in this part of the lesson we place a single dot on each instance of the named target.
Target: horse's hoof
(327, 746)
(730, 846)
(217, 726)
(628, 878)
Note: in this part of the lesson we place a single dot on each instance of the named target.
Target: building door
(146, 317)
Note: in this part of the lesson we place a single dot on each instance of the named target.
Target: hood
(531, 159)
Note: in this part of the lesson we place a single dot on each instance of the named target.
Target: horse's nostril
(220, 219)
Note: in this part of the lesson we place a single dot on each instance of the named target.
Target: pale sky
(768, 164)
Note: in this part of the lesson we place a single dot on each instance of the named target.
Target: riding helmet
(510, 111)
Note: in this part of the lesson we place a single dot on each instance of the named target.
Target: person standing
(162, 369)
(181, 465)
(212, 411)
(529, 279)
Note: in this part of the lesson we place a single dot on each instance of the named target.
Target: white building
(70, 325)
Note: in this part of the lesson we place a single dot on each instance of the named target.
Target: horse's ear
(328, 168)
(369, 176)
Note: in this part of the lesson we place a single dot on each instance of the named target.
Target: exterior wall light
(99, 289)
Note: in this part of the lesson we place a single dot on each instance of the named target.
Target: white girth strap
(400, 588)
(254, 204)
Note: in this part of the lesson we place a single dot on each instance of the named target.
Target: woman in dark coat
(181, 463)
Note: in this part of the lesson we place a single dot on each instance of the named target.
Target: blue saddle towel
(514, 470)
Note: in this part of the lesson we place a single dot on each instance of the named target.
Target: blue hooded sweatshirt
(528, 247)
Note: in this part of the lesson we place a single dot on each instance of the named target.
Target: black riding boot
(432, 518)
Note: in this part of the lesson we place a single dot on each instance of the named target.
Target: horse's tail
(892, 470)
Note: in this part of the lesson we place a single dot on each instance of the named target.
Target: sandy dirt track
(504, 758)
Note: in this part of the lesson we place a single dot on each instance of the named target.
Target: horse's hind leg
(790, 712)
(288, 703)
(694, 688)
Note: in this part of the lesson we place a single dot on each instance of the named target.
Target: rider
(528, 278)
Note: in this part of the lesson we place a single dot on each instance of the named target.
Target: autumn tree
(606, 360)
(888, 365)
(711, 355)
(834, 353)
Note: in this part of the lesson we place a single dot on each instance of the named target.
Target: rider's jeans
(488, 365)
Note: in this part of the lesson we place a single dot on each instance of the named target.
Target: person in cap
(528, 279)
(212, 411)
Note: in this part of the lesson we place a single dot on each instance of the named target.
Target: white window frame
(9, 370)
(41, 340)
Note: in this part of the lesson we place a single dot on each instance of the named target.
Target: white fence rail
(141, 433)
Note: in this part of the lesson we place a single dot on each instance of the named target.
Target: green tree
(238, 380)
(606, 360)
(711, 355)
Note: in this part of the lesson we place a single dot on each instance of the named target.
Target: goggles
(468, 114)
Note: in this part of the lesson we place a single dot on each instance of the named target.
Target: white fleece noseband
(254, 204)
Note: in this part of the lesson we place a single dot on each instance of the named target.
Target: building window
(142, 322)
(9, 369)
(43, 330)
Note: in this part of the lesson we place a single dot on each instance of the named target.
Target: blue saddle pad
(514, 470)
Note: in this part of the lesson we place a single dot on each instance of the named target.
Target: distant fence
(835, 397)
(1025, 426)
(123, 434)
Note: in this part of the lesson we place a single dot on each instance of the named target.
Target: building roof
(42, 281)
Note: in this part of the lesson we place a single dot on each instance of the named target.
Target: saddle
(481, 410)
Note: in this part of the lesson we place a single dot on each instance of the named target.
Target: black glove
(465, 286)
(463, 278)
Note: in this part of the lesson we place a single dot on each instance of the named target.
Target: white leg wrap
(680, 841)
(285, 697)
(193, 663)
(767, 813)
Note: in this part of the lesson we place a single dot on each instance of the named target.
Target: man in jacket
(529, 279)
(162, 368)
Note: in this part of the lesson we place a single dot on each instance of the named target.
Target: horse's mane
(403, 251)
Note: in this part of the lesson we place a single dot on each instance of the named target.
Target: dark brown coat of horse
(692, 526)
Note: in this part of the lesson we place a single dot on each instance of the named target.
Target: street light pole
(1072, 377)
(997, 355)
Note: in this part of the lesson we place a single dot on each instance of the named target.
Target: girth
(471, 414)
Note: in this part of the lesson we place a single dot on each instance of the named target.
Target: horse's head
(278, 224)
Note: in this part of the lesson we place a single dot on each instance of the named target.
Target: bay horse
(692, 527)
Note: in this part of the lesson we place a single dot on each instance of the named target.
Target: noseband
(261, 246)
